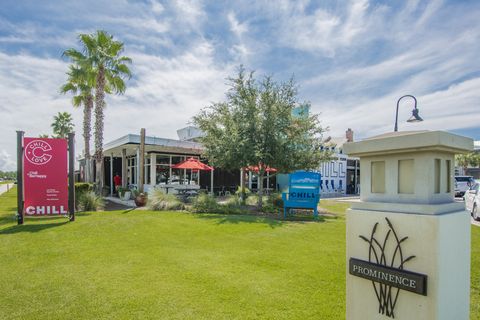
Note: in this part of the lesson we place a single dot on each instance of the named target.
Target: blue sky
(351, 59)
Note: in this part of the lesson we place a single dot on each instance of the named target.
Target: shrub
(275, 199)
(157, 200)
(234, 200)
(239, 191)
(252, 200)
(205, 203)
(89, 201)
(82, 187)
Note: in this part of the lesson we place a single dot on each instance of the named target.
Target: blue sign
(303, 192)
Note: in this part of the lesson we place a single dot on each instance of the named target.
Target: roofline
(155, 141)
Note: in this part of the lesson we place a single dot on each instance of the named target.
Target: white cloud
(6, 161)
(173, 88)
(145, 24)
(235, 26)
(166, 94)
(352, 59)
(448, 109)
(189, 13)
(157, 7)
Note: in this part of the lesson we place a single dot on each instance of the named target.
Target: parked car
(472, 201)
(462, 184)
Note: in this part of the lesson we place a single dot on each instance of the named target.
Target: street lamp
(414, 118)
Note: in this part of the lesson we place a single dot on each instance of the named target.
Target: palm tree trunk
(87, 128)
(99, 119)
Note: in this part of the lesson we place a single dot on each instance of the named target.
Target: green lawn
(167, 265)
(6, 181)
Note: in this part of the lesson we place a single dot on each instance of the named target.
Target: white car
(463, 184)
(472, 201)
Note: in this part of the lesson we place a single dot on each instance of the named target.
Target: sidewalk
(5, 187)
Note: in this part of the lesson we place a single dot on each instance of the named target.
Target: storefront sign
(45, 176)
(405, 280)
(385, 268)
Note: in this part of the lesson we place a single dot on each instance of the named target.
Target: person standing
(117, 182)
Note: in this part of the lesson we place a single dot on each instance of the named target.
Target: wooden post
(124, 168)
(211, 182)
(141, 161)
(111, 175)
(153, 169)
(268, 183)
(20, 177)
(71, 178)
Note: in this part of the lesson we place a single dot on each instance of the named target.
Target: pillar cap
(409, 141)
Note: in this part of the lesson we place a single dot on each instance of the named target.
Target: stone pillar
(408, 241)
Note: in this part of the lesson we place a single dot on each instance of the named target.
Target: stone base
(441, 246)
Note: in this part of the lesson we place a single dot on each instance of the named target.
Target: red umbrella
(256, 169)
(192, 164)
(195, 164)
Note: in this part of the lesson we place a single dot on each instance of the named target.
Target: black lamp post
(414, 118)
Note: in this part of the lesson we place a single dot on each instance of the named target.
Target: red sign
(45, 176)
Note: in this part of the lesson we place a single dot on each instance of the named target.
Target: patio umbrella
(195, 164)
(255, 169)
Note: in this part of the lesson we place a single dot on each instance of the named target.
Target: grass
(6, 181)
(166, 265)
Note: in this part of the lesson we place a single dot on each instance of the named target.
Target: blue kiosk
(303, 192)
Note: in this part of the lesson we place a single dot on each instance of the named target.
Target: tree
(62, 125)
(465, 160)
(101, 54)
(80, 83)
(262, 124)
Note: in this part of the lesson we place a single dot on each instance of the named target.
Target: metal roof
(152, 144)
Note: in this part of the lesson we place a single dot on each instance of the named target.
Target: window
(449, 176)
(406, 176)
(378, 177)
(437, 176)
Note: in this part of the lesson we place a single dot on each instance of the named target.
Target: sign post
(408, 240)
(45, 177)
(71, 178)
(20, 177)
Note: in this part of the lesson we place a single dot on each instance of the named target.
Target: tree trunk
(261, 173)
(87, 128)
(242, 187)
(99, 119)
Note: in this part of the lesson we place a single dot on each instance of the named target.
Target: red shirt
(117, 180)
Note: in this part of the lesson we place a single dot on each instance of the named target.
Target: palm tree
(101, 54)
(62, 125)
(81, 83)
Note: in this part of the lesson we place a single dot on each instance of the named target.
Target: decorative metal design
(387, 295)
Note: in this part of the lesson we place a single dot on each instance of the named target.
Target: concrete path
(5, 187)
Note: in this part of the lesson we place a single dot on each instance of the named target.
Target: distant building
(341, 175)
(190, 133)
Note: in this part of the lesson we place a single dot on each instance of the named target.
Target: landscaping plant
(89, 201)
(158, 200)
